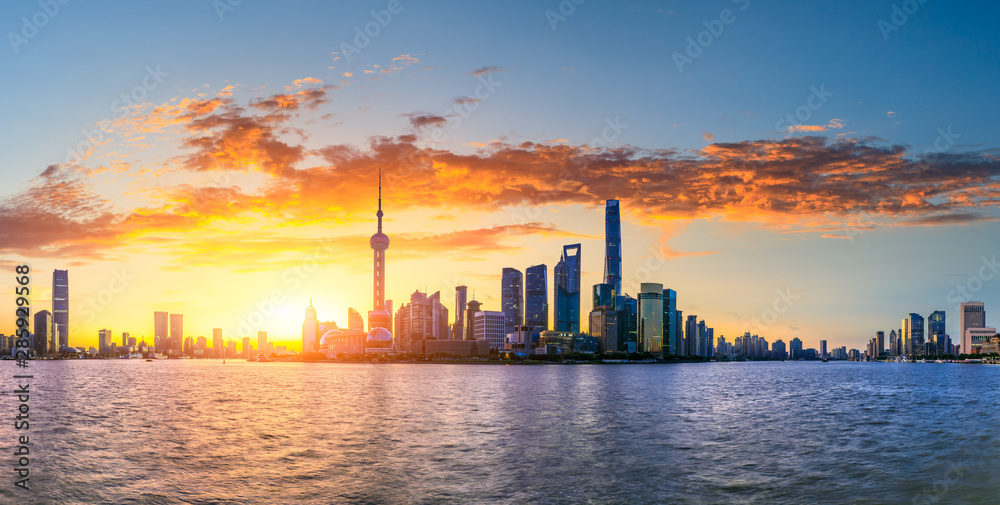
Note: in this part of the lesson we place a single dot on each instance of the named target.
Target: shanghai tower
(613, 246)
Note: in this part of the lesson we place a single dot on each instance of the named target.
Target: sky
(794, 169)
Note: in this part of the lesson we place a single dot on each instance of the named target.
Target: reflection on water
(181, 431)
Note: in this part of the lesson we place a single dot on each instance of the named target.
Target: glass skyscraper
(935, 324)
(60, 307)
(671, 333)
(613, 246)
(628, 314)
(536, 297)
(915, 339)
(650, 328)
(512, 299)
(604, 295)
(567, 289)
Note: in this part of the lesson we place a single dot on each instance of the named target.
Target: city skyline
(167, 181)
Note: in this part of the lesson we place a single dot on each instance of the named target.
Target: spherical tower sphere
(378, 338)
(379, 241)
(329, 338)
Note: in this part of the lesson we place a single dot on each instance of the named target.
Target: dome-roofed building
(336, 342)
(379, 340)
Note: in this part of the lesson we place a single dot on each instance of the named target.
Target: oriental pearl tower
(379, 336)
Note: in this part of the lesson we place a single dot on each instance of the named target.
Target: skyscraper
(822, 349)
(671, 332)
(935, 324)
(42, 332)
(489, 326)
(470, 312)
(60, 306)
(354, 320)
(650, 324)
(160, 333)
(461, 298)
(176, 339)
(512, 299)
(604, 295)
(691, 336)
(379, 317)
(915, 338)
(567, 289)
(972, 315)
(536, 297)
(217, 342)
(104, 341)
(310, 330)
(893, 346)
(613, 246)
(880, 343)
(795, 348)
(262, 345)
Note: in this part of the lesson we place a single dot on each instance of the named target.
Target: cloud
(465, 100)
(481, 71)
(421, 121)
(834, 124)
(709, 137)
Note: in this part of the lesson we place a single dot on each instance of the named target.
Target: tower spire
(379, 213)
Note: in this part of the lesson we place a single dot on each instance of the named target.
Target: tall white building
(488, 325)
(973, 315)
(310, 328)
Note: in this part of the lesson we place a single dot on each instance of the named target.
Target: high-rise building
(424, 318)
(536, 297)
(43, 332)
(915, 337)
(604, 326)
(795, 348)
(354, 320)
(310, 330)
(176, 334)
(217, 342)
(679, 321)
(246, 349)
(893, 350)
(160, 333)
(489, 326)
(879, 343)
(512, 299)
(567, 290)
(628, 322)
(379, 317)
(470, 312)
(650, 324)
(703, 339)
(461, 299)
(822, 349)
(104, 341)
(60, 306)
(604, 295)
(613, 246)
(972, 315)
(935, 324)
(778, 350)
(691, 336)
(671, 333)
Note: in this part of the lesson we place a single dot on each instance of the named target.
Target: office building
(60, 306)
(43, 332)
(104, 341)
(160, 333)
(536, 297)
(604, 327)
(935, 324)
(795, 348)
(914, 326)
(972, 315)
(603, 295)
(671, 332)
(650, 323)
(471, 309)
(489, 326)
(217, 342)
(879, 344)
(262, 346)
(613, 246)
(461, 299)
(355, 322)
(246, 349)
(176, 334)
(310, 330)
(628, 322)
(567, 290)
(691, 336)
(512, 299)
(424, 318)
